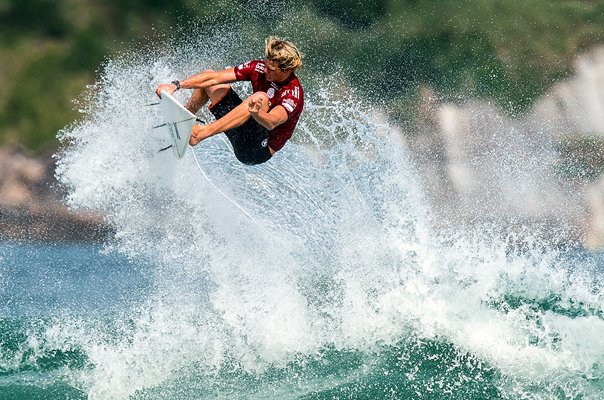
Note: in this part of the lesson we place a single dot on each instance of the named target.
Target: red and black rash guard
(288, 94)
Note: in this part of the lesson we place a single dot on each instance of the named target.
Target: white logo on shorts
(265, 143)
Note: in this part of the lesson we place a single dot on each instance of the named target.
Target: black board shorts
(250, 140)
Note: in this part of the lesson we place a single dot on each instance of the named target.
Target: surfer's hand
(254, 105)
(168, 87)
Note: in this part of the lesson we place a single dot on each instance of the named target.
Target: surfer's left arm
(258, 108)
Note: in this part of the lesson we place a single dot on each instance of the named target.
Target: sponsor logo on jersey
(244, 65)
(270, 92)
(295, 92)
(289, 104)
(260, 68)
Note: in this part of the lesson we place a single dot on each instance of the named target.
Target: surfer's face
(275, 74)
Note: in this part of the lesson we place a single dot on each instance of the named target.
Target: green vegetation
(508, 51)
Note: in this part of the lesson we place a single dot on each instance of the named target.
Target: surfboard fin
(164, 149)
(176, 123)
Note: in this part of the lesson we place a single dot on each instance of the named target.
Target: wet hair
(283, 53)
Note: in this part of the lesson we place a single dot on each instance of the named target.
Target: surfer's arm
(272, 119)
(258, 108)
(209, 78)
(204, 80)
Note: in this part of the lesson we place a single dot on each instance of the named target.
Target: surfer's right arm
(205, 79)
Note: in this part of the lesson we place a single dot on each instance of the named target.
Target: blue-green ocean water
(62, 304)
(46, 288)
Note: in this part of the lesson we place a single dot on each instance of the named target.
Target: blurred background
(501, 102)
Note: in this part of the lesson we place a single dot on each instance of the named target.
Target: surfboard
(177, 124)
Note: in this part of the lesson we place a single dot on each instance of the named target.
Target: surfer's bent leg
(197, 100)
(232, 113)
(200, 97)
(249, 139)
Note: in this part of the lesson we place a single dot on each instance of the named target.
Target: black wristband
(176, 83)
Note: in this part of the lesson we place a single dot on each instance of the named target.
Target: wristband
(176, 83)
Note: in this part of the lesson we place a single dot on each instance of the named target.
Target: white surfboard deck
(177, 123)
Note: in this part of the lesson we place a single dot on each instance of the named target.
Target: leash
(220, 191)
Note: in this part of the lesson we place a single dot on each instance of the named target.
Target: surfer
(261, 125)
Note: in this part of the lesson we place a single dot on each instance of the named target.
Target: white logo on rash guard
(260, 68)
(289, 104)
(270, 92)
(265, 143)
(295, 92)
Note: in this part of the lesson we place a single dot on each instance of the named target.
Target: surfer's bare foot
(197, 134)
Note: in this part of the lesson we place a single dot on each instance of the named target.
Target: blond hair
(283, 53)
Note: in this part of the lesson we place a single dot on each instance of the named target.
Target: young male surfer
(260, 126)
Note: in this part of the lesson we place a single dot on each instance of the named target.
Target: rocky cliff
(31, 206)
(543, 169)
